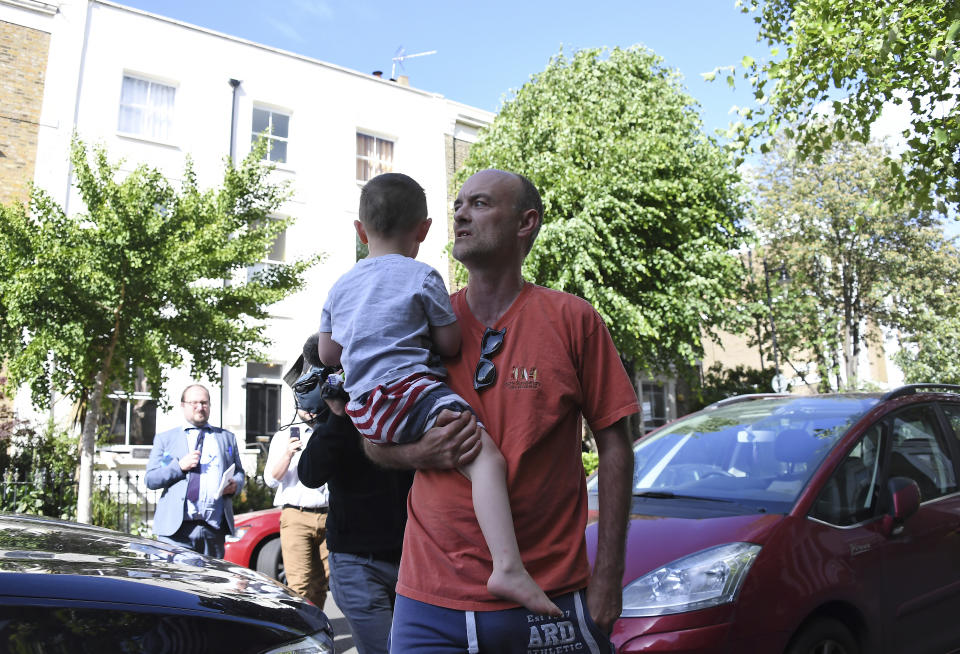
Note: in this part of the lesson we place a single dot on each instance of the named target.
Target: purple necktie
(193, 477)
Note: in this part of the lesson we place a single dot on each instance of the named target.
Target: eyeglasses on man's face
(490, 344)
(198, 403)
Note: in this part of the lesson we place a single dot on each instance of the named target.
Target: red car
(803, 525)
(256, 543)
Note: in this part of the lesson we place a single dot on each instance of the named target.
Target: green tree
(845, 256)
(855, 56)
(641, 208)
(719, 383)
(148, 276)
(931, 353)
(933, 357)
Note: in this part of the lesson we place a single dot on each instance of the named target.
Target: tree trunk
(88, 446)
(850, 356)
(88, 440)
(854, 365)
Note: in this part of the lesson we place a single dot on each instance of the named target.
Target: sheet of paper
(225, 479)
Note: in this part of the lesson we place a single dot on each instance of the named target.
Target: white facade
(96, 45)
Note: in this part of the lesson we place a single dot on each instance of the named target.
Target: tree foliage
(719, 383)
(931, 353)
(933, 356)
(148, 275)
(641, 208)
(855, 56)
(839, 257)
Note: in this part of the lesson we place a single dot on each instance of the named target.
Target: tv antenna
(401, 55)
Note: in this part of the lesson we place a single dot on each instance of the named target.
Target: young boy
(387, 322)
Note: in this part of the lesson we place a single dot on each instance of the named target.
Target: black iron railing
(120, 500)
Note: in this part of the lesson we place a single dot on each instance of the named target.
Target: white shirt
(289, 488)
(210, 473)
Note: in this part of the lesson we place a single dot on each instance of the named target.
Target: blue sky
(486, 50)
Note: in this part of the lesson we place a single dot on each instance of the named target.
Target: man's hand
(294, 445)
(190, 461)
(604, 601)
(453, 442)
(337, 406)
(230, 488)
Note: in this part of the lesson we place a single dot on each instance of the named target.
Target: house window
(275, 127)
(654, 405)
(263, 400)
(277, 253)
(131, 420)
(374, 156)
(146, 108)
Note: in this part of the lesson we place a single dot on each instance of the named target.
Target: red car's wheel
(824, 636)
(270, 561)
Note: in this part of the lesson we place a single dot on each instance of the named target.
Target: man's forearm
(616, 488)
(280, 466)
(454, 441)
(398, 457)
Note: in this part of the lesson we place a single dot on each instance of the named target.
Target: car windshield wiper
(668, 495)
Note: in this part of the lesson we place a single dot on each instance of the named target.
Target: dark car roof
(47, 561)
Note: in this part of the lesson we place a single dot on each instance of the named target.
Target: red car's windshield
(758, 453)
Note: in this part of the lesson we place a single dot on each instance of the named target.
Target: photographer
(366, 521)
(303, 521)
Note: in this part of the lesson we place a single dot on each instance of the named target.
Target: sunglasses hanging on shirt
(486, 373)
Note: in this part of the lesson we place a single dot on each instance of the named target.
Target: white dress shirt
(289, 488)
(207, 506)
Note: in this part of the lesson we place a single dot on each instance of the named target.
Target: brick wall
(23, 63)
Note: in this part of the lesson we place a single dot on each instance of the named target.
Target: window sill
(280, 167)
(148, 139)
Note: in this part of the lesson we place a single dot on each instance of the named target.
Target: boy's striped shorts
(402, 411)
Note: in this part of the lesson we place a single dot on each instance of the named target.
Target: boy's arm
(329, 350)
(446, 339)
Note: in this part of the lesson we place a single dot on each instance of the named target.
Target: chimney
(403, 80)
(378, 74)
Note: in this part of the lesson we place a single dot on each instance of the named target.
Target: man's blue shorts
(427, 629)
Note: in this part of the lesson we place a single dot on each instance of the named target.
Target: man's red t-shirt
(557, 362)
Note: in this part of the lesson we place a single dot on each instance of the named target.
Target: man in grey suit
(188, 462)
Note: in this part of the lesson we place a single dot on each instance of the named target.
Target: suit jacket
(163, 471)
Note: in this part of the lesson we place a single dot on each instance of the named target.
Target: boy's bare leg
(491, 503)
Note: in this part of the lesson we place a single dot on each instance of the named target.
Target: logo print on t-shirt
(524, 378)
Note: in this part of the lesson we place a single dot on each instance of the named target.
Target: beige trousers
(303, 540)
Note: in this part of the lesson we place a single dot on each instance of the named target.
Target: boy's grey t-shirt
(381, 311)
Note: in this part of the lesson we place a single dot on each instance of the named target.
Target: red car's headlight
(238, 536)
(707, 578)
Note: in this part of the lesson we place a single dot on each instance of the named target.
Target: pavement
(343, 641)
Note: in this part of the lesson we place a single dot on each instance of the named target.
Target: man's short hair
(529, 198)
(392, 203)
(184, 393)
(311, 352)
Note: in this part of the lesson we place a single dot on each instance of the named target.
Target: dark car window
(953, 415)
(917, 453)
(852, 492)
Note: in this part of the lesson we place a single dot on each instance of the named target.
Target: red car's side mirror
(904, 494)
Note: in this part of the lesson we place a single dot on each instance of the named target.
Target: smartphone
(294, 433)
